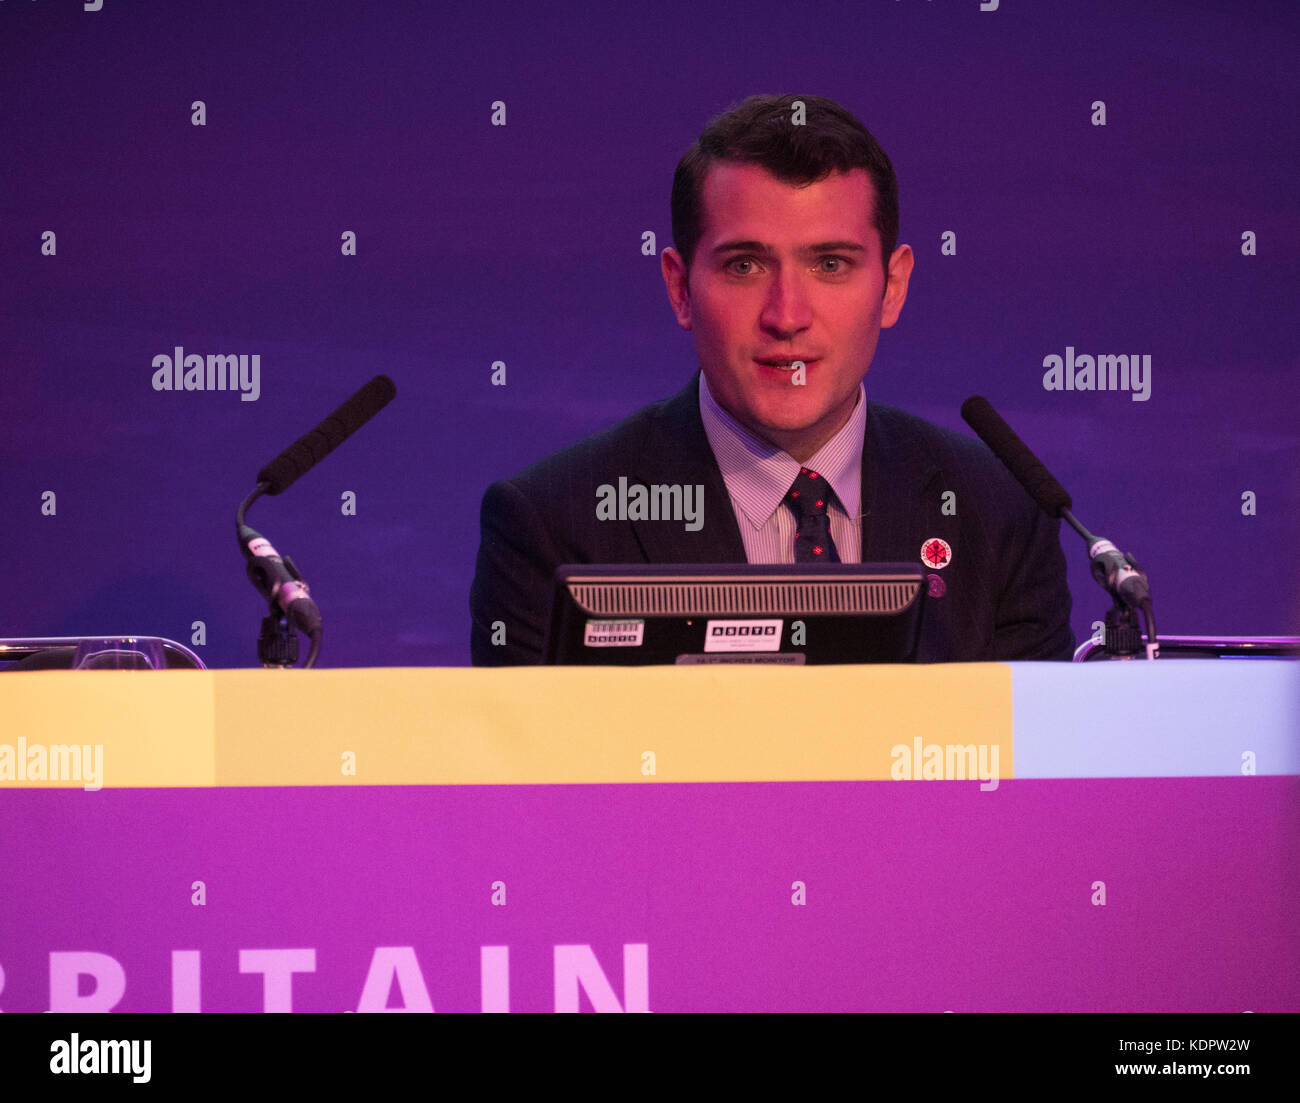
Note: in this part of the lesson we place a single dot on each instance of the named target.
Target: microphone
(275, 576)
(1112, 569)
(308, 450)
(1115, 571)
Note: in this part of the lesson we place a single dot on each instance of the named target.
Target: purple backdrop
(522, 244)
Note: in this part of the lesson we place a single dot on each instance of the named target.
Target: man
(785, 270)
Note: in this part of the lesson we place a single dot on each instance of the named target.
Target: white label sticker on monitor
(614, 633)
(743, 635)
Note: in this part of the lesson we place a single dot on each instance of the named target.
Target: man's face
(787, 273)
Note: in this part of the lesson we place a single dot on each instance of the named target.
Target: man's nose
(788, 308)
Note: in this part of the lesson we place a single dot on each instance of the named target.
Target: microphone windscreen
(307, 451)
(1028, 469)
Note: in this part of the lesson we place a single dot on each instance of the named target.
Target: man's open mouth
(786, 365)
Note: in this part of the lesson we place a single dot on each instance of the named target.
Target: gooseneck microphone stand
(276, 577)
(1130, 589)
(279, 581)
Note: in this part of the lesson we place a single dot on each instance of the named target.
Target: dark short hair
(759, 131)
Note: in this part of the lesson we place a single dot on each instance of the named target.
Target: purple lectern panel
(1077, 895)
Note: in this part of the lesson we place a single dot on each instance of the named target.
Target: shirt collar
(758, 474)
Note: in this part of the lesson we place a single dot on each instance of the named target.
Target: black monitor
(647, 614)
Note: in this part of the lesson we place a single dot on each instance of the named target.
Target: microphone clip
(291, 608)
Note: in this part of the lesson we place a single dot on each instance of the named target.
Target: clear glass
(119, 653)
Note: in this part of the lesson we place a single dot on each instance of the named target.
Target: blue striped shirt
(758, 476)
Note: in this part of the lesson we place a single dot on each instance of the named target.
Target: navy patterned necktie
(808, 498)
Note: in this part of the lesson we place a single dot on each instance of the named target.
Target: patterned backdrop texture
(428, 190)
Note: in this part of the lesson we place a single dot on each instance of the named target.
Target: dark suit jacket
(1005, 589)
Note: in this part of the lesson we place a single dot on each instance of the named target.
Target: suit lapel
(897, 494)
(677, 452)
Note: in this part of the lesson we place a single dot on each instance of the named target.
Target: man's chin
(791, 417)
(782, 430)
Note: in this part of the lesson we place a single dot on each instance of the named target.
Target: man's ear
(675, 280)
(900, 271)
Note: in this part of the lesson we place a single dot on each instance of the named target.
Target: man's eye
(838, 265)
(733, 266)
